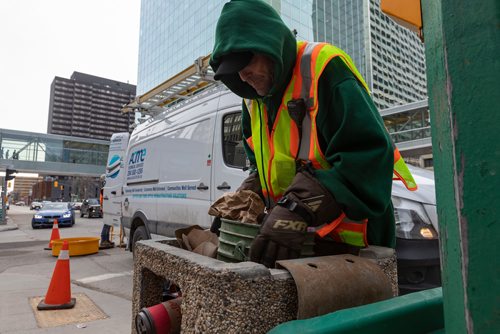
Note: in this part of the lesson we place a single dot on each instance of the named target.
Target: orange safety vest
(277, 151)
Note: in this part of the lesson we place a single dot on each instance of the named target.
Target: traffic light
(8, 174)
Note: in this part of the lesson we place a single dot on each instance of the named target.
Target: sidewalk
(19, 284)
(18, 316)
(9, 226)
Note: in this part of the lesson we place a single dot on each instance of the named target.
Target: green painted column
(462, 43)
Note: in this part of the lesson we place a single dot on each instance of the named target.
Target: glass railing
(411, 134)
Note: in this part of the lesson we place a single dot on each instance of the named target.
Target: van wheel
(139, 234)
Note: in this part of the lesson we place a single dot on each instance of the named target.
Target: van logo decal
(137, 156)
(136, 164)
(113, 167)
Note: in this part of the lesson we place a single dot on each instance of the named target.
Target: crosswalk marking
(97, 278)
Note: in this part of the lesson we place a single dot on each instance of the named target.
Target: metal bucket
(235, 239)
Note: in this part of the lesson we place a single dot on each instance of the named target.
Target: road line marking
(97, 278)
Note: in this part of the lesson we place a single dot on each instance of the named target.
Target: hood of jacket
(253, 25)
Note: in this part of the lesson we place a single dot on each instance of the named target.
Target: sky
(42, 39)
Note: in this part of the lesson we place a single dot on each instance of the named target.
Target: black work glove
(305, 203)
(252, 182)
(280, 237)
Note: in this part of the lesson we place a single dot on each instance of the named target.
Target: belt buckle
(287, 203)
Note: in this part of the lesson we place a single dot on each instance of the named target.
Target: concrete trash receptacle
(218, 297)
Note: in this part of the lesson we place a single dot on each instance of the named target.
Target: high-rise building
(172, 35)
(390, 57)
(89, 106)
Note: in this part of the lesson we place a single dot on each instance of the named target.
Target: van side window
(232, 147)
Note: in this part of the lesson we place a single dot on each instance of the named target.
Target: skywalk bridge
(410, 128)
(46, 154)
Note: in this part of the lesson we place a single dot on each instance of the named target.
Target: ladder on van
(182, 86)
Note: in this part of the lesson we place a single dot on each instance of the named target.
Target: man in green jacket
(258, 58)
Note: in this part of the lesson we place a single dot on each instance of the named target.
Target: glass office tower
(391, 58)
(174, 33)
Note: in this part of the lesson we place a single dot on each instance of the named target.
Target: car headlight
(67, 215)
(412, 222)
(38, 216)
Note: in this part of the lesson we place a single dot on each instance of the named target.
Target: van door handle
(113, 192)
(202, 187)
(224, 186)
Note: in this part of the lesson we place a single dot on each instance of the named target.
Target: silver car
(35, 205)
(417, 240)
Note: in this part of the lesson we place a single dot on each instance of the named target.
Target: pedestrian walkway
(22, 284)
(50, 154)
(9, 226)
(18, 316)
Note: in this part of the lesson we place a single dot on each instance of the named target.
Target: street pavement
(26, 271)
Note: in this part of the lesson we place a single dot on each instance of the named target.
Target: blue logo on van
(137, 156)
(113, 168)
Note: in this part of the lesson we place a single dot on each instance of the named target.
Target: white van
(177, 163)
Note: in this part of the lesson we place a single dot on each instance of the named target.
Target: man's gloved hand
(280, 237)
(305, 203)
(252, 183)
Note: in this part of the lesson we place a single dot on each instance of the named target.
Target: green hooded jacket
(351, 132)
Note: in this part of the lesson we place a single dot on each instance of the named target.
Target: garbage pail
(236, 237)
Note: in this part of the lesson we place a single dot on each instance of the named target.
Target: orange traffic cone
(55, 234)
(59, 293)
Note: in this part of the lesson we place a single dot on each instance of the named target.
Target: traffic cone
(59, 293)
(55, 234)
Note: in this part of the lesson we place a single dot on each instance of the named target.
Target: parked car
(20, 203)
(50, 211)
(35, 205)
(91, 207)
(76, 205)
(417, 240)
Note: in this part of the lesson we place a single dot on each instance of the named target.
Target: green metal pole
(462, 43)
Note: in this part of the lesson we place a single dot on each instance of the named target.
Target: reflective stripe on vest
(401, 171)
(342, 229)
